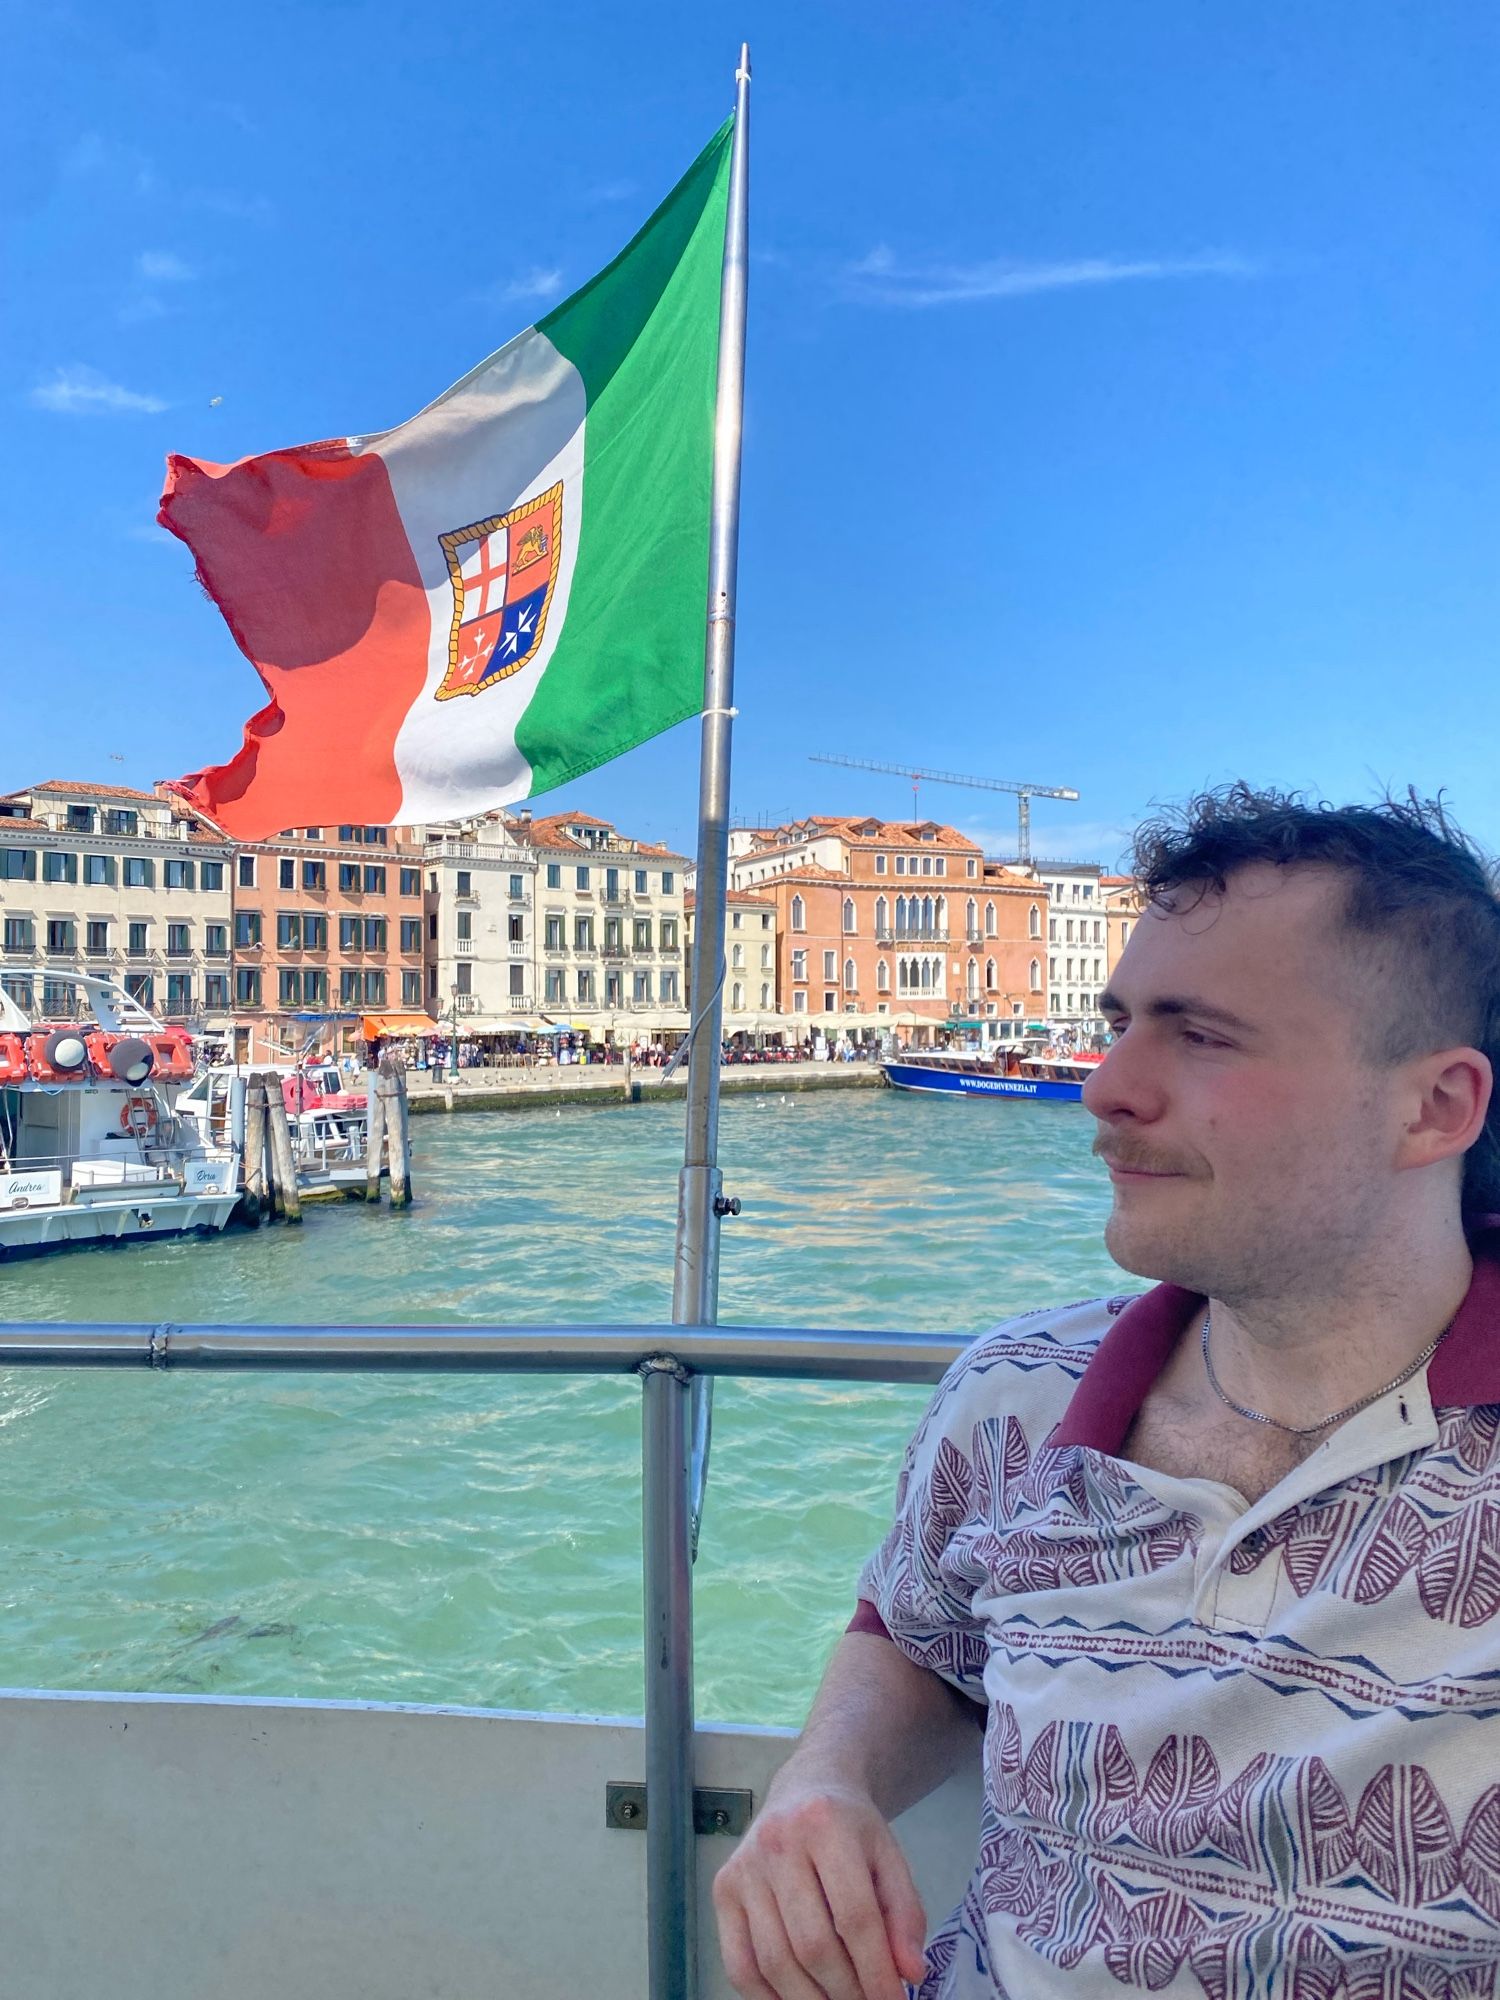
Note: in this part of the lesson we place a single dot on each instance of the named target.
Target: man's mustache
(1137, 1159)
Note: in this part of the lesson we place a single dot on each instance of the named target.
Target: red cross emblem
(503, 571)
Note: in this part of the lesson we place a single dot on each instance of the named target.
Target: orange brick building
(327, 926)
(884, 919)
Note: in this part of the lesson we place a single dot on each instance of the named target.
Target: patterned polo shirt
(1230, 1750)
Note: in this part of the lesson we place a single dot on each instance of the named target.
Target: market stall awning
(373, 1025)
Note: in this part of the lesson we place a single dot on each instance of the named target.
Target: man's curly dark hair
(1421, 912)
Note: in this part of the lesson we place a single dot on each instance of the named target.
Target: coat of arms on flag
(503, 572)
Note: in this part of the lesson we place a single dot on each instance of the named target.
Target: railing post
(667, 1556)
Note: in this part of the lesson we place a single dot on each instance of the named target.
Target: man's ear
(1450, 1098)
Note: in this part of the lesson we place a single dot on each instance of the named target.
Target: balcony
(464, 947)
(518, 948)
(521, 902)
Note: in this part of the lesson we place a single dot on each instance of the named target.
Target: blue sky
(1121, 410)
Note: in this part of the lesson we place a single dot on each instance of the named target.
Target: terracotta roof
(887, 832)
(690, 900)
(89, 790)
(22, 826)
(1117, 881)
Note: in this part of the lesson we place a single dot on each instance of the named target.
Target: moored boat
(975, 1073)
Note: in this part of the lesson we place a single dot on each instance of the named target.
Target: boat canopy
(372, 1025)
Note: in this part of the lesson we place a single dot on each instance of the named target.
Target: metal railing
(674, 1464)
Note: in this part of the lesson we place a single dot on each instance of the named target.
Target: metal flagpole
(675, 1412)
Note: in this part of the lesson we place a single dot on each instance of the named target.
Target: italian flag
(502, 593)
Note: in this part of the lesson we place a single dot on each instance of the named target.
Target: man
(1214, 1570)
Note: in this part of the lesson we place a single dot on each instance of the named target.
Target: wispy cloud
(161, 267)
(610, 191)
(123, 166)
(80, 391)
(540, 281)
(881, 278)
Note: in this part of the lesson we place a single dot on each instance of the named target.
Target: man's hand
(817, 1902)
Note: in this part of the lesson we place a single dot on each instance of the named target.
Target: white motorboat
(94, 1144)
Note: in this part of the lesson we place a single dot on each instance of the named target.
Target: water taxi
(977, 1073)
(95, 1145)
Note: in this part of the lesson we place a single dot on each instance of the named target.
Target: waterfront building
(123, 883)
(750, 955)
(1077, 947)
(480, 911)
(328, 930)
(610, 929)
(1122, 907)
(872, 918)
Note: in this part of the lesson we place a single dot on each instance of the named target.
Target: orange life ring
(148, 1107)
(12, 1059)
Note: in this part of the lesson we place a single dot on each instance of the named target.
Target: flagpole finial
(742, 74)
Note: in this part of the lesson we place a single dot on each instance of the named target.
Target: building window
(553, 985)
(179, 940)
(971, 919)
(62, 934)
(581, 878)
(517, 888)
(765, 995)
(990, 978)
(465, 882)
(669, 989)
(850, 980)
(830, 1002)
(246, 987)
(900, 864)
(117, 820)
(245, 873)
(314, 986)
(411, 885)
(286, 873)
(215, 991)
(411, 989)
(1034, 922)
(882, 976)
(349, 986)
(640, 881)
(463, 977)
(374, 881)
(216, 940)
(18, 933)
(411, 933)
(432, 926)
(799, 914)
(137, 937)
(210, 874)
(641, 987)
(554, 874)
(583, 934)
(97, 935)
(611, 885)
(179, 875)
(880, 864)
(289, 987)
(830, 961)
(972, 984)
(315, 875)
(849, 916)
(737, 997)
(554, 933)
(642, 931)
(59, 867)
(515, 929)
(81, 819)
(142, 987)
(799, 965)
(314, 934)
(1036, 975)
(518, 982)
(465, 925)
(585, 985)
(98, 869)
(668, 934)
(668, 882)
(246, 928)
(989, 920)
(17, 864)
(376, 933)
(350, 932)
(799, 1003)
(374, 994)
(348, 878)
(288, 930)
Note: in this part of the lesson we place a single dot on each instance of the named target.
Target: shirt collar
(1465, 1370)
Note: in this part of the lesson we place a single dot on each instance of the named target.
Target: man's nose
(1124, 1085)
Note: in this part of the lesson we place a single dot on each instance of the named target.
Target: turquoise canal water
(477, 1540)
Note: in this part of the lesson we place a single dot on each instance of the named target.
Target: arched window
(737, 997)
(848, 915)
(799, 914)
(901, 916)
(1036, 975)
(973, 978)
(989, 920)
(926, 975)
(882, 976)
(990, 981)
(902, 977)
(1034, 922)
(850, 982)
(971, 918)
(765, 995)
(927, 916)
(941, 913)
(882, 916)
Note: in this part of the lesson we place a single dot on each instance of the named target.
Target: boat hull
(965, 1083)
(148, 1213)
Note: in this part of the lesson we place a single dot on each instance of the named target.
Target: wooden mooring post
(253, 1164)
(389, 1135)
(283, 1166)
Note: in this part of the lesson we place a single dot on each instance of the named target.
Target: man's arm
(818, 1897)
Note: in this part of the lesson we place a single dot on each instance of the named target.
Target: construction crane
(1024, 793)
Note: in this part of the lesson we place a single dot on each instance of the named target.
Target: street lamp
(453, 1040)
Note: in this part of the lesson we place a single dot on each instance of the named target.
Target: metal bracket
(726, 1204)
(714, 1810)
(156, 1344)
(665, 1364)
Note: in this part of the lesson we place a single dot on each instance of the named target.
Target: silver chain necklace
(1324, 1423)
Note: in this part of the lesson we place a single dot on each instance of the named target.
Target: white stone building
(480, 912)
(123, 883)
